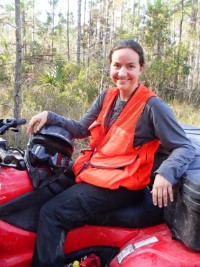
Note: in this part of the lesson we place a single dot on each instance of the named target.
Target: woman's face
(125, 70)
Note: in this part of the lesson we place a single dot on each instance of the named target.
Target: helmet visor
(49, 156)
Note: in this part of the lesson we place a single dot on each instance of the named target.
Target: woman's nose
(122, 71)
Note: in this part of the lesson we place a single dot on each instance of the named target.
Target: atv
(153, 238)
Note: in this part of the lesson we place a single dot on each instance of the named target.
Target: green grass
(186, 113)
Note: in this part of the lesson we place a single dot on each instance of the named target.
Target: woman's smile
(125, 70)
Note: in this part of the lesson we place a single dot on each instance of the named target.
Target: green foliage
(59, 75)
(156, 26)
(51, 78)
(160, 72)
(3, 73)
(35, 48)
(4, 58)
(186, 113)
(62, 86)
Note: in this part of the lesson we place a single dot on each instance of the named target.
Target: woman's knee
(47, 211)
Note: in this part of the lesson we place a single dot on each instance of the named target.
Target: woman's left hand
(162, 191)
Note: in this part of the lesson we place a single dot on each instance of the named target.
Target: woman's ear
(142, 68)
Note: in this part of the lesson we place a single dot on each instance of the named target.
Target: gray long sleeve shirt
(157, 121)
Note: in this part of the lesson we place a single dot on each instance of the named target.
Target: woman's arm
(181, 152)
(78, 129)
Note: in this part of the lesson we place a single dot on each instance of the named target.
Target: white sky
(43, 6)
(62, 5)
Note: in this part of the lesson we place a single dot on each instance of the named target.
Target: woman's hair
(129, 44)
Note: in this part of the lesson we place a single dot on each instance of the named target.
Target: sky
(62, 5)
(43, 6)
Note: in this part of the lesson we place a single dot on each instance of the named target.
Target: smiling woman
(125, 71)
(126, 125)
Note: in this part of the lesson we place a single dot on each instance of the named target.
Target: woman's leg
(74, 207)
(138, 215)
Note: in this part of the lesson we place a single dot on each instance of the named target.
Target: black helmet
(48, 154)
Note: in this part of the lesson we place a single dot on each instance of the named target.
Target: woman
(126, 124)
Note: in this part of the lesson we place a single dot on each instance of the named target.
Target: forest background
(57, 59)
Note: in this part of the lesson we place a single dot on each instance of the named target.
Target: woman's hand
(162, 191)
(37, 121)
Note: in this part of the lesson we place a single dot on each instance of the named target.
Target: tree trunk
(84, 23)
(176, 78)
(113, 25)
(68, 51)
(24, 35)
(194, 75)
(105, 36)
(89, 35)
(33, 18)
(53, 26)
(79, 33)
(17, 83)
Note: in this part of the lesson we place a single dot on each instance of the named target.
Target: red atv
(174, 241)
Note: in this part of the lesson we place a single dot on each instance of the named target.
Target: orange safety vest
(112, 161)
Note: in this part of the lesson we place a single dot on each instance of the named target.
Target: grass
(186, 113)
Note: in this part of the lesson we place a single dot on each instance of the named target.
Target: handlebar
(12, 160)
(10, 123)
(10, 156)
(4, 157)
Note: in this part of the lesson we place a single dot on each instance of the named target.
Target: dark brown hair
(129, 44)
